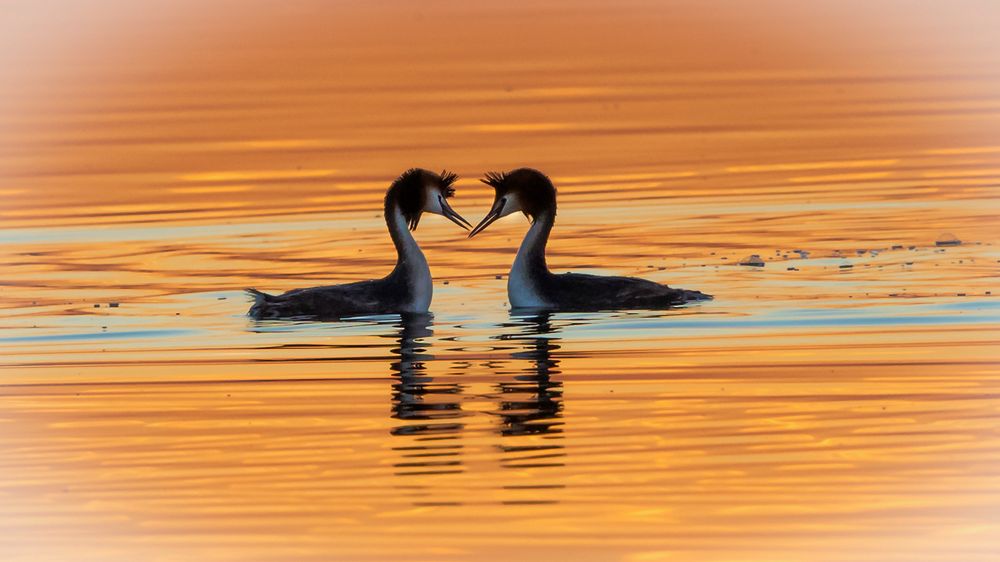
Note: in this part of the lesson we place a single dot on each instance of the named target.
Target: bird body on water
(407, 289)
(531, 285)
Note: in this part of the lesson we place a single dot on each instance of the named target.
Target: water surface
(839, 403)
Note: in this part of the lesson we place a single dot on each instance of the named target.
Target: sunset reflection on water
(838, 403)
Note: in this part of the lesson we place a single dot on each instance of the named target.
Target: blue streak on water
(118, 233)
(133, 334)
(968, 305)
(798, 322)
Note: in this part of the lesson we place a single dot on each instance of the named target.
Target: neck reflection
(429, 409)
(531, 404)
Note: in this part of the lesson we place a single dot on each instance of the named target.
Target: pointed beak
(489, 219)
(451, 215)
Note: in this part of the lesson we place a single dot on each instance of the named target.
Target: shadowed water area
(839, 402)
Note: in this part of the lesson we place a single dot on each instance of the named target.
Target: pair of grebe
(530, 285)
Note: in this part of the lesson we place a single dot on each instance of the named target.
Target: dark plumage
(407, 288)
(531, 284)
(582, 292)
(376, 296)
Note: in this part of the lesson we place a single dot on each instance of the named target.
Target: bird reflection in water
(527, 402)
(531, 403)
(430, 409)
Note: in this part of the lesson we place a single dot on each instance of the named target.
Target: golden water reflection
(840, 402)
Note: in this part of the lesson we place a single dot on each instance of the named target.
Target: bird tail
(258, 296)
(262, 306)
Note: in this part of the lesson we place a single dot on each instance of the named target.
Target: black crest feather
(407, 193)
(495, 179)
(447, 181)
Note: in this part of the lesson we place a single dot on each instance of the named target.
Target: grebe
(531, 284)
(407, 289)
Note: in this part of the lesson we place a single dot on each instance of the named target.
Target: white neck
(528, 267)
(411, 264)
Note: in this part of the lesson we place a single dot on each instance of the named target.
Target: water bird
(530, 284)
(407, 289)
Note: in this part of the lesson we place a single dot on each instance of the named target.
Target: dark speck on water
(752, 261)
(947, 239)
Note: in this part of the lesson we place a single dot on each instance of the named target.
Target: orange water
(163, 156)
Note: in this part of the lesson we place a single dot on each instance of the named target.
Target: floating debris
(113, 304)
(753, 261)
(860, 252)
(897, 246)
(793, 269)
(947, 239)
(802, 253)
(499, 276)
(97, 306)
(444, 282)
(846, 266)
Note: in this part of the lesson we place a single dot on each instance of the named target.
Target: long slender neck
(531, 254)
(526, 284)
(410, 261)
